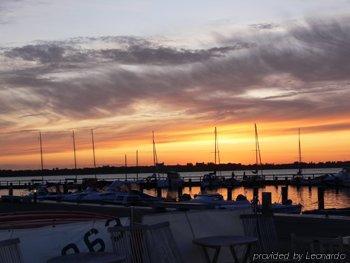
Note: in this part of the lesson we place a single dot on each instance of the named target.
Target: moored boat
(172, 181)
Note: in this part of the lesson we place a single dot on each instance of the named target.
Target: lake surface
(306, 196)
(276, 172)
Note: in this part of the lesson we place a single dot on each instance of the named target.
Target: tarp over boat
(38, 244)
(186, 226)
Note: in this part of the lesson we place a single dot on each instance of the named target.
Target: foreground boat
(118, 192)
(341, 178)
(211, 180)
(218, 201)
(284, 209)
(173, 181)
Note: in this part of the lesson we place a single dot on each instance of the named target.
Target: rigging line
(41, 151)
(155, 157)
(93, 147)
(74, 150)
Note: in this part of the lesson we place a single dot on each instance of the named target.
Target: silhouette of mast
(126, 165)
(41, 156)
(216, 149)
(155, 157)
(75, 155)
(93, 149)
(137, 164)
(299, 151)
(74, 150)
(257, 151)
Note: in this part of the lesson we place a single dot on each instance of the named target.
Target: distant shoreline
(162, 168)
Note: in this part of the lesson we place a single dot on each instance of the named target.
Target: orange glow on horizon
(181, 145)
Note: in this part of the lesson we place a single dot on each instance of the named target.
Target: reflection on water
(193, 175)
(17, 192)
(307, 196)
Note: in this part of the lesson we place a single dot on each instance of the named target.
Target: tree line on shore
(163, 168)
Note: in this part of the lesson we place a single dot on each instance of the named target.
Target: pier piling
(229, 193)
(320, 196)
(256, 192)
(266, 202)
(11, 190)
(179, 192)
(65, 188)
(159, 192)
(284, 192)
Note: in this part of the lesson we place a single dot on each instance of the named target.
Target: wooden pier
(226, 181)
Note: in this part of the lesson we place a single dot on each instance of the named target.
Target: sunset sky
(180, 68)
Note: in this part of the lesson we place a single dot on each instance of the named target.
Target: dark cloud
(41, 53)
(308, 63)
(136, 52)
(323, 128)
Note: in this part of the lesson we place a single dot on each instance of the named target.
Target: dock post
(179, 192)
(320, 196)
(190, 184)
(256, 192)
(35, 196)
(284, 193)
(65, 189)
(266, 202)
(11, 190)
(229, 193)
(159, 192)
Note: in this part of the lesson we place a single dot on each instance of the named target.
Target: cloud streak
(307, 62)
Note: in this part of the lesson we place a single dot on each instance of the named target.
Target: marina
(306, 195)
(150, 131)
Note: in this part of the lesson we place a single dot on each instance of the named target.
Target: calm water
(303, 195)
(276, 172)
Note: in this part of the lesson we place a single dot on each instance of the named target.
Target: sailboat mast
(93, 149)
(299, 151)
(299, 147)
(155, 158)
(41, 156)
(126, 165)
(74, 151)
(256, 146)
(257, 153)
(215, 147)
(217, 152)
(137, 164)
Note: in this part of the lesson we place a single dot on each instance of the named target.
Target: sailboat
(300, 172)
(258, 162)
(298, 178)
(173, 179)
(211, 179)
(342, 178)
(258, 175)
